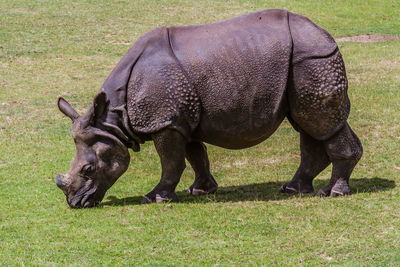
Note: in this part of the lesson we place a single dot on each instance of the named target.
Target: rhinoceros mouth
(87, 196)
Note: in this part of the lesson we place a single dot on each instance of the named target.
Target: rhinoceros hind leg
(170, 146)
(204, 183)
(313, 160)
(344, 150)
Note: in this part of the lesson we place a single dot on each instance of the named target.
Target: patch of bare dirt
(373, 38)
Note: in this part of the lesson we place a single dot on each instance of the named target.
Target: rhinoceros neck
(115, 87)
(116, 122)
(116, 119)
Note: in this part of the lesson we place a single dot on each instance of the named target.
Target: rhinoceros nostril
(59, 180)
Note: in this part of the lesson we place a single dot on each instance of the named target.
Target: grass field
(53, 48)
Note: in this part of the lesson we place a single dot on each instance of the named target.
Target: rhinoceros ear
(66, 108)
(98, 108)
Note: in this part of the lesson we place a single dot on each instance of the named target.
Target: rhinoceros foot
(210, 186)
(160, 197)
(294, 187)
(341, 188)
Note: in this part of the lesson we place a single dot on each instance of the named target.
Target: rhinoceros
(230, 84)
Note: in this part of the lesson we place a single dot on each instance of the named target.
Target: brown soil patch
(374, 38)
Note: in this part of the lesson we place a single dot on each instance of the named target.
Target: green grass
(53, 48)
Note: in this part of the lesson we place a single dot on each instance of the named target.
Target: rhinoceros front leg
(170, 146)
(314, 159)
(204, 183)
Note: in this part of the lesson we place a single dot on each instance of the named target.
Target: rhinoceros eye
(87, 169)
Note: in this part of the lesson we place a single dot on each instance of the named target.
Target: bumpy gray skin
(230, 84)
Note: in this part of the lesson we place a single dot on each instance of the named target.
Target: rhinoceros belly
(239, 125)
(239, 69)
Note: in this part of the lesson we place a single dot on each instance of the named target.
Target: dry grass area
(366, 38)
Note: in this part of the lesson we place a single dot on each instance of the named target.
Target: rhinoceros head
(100, 159)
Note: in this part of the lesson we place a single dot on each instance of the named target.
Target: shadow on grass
(260, 192)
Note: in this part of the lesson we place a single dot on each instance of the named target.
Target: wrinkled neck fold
(116, 122)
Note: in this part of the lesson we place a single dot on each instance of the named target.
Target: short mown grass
(54, 48)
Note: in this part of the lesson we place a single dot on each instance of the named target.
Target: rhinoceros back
(227, 83)
(239, 68)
